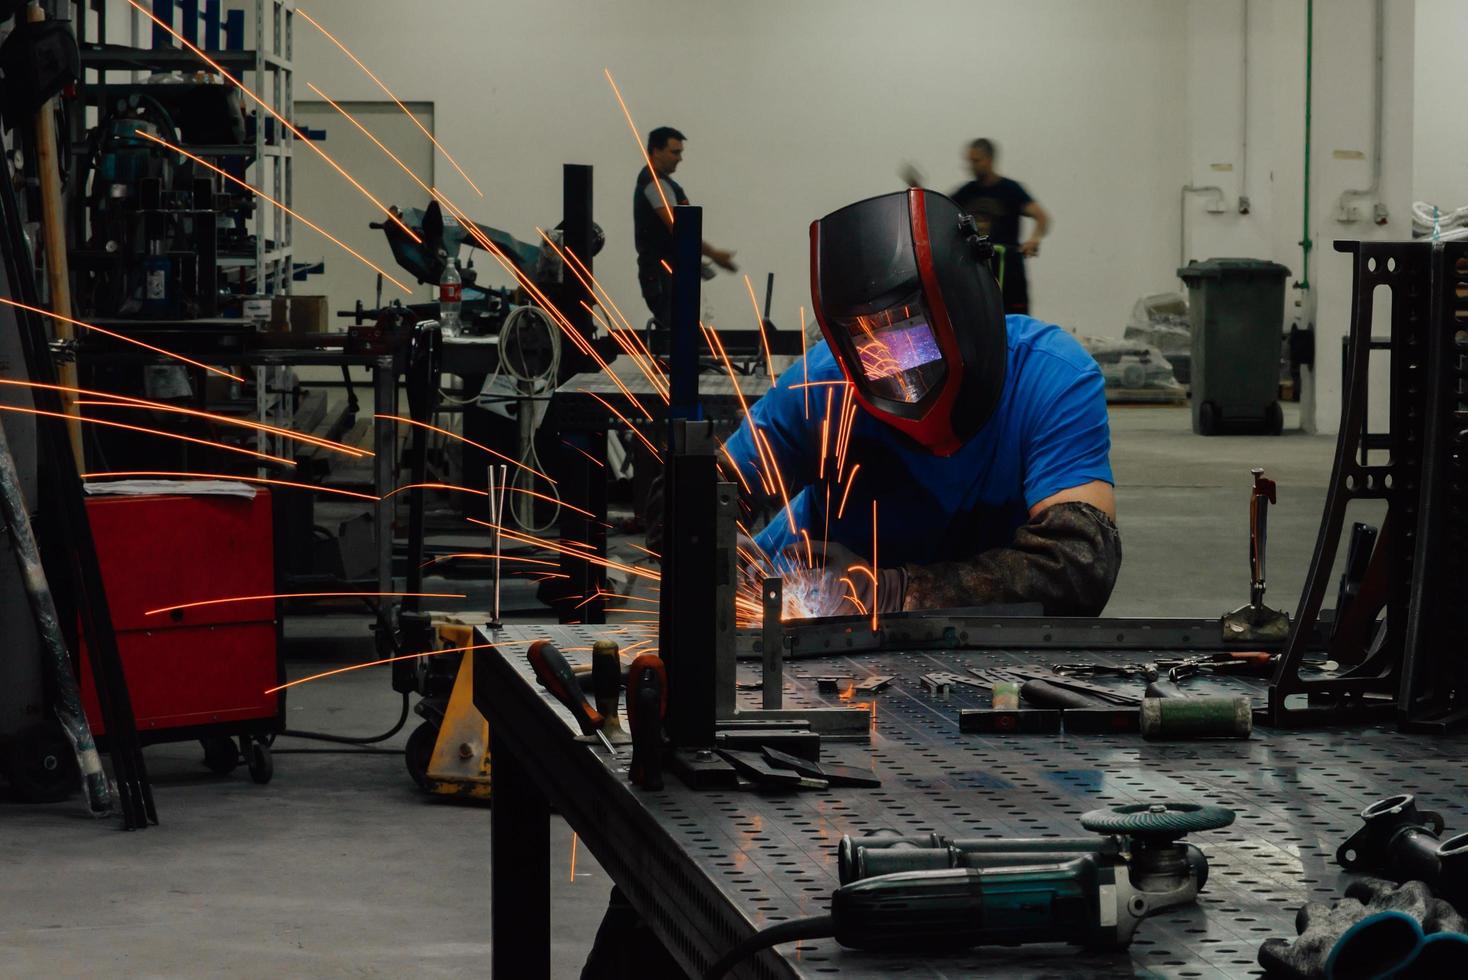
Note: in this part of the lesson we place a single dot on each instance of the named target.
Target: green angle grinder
(947, 894)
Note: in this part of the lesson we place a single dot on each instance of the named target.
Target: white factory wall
(1342, 110)
(793, 109)
(1440, 139)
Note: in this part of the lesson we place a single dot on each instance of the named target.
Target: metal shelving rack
(268, 69)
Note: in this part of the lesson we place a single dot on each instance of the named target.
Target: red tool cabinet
(198, 673)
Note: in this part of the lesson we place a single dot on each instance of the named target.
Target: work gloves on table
(1380, 929)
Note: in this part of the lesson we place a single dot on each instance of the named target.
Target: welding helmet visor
(904, 296)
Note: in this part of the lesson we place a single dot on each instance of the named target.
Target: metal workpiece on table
(706, 868)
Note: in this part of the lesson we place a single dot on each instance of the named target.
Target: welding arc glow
(637, 137)
(125, 339)
(152, 432)
(281, 119)
(468, 442)
(118, 474)
(294, 214)
(306, 595)
(376, 663)
(388, 92)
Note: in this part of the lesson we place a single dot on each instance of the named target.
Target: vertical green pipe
(1305, 243)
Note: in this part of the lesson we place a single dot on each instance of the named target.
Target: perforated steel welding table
(706, 869)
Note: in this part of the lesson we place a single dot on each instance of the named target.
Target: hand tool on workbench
(1256, 621)
(557, 677)
(1094, 899)
(647, 704)
(606, 682)
(836, 775)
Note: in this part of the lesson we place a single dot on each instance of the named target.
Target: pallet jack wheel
(220, 755)
(261, 763)
(40, 763)
(419, 751)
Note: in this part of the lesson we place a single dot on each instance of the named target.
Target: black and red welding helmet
(904, 295)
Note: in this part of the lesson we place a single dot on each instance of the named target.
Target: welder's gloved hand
(841, 583)
(1381, 947)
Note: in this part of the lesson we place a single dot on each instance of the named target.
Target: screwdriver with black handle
(557, 677)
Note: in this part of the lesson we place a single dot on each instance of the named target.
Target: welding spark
(388, 92)
(281, 119)
(850, 481)
(110, 400)
(637, 137)
(487, 557)
(586, 555)
(377, 663)
(468, 442)
(485, 493)
(294, 214)
(152, 432)
(119, 474)
(759, 322)
(123, 338)
(634, 430)
(306, 595)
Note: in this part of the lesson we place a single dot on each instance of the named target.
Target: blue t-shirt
(1048, 433)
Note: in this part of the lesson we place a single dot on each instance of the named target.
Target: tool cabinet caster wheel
(220, 755)
(419, 751)
(1208, 419)
(262, 764)
(40, 763)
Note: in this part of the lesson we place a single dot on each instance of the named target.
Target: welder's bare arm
(1066, 558)
(1031, 245)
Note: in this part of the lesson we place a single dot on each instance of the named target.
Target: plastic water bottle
(450, 298)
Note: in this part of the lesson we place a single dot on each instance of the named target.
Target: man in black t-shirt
(997, 204)
(652, 221)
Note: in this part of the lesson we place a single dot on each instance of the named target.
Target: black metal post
(685, 341)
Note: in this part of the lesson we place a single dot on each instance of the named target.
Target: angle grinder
(900, 893)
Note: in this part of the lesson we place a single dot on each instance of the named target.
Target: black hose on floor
(349, 740)
(816, 927)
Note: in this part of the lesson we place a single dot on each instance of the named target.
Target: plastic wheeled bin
(1237, 310)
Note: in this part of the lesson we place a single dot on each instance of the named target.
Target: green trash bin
(1237, 309)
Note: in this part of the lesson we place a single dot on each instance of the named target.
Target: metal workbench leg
(519, 874)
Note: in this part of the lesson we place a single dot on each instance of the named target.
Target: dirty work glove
(820, 591)
(1385, 948)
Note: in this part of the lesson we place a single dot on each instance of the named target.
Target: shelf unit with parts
(219, 29)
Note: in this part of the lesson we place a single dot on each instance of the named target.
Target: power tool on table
(934, 893)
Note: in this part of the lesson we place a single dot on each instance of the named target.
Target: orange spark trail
(305, 595)
(852, 598)
(584, 453)
(874, 564)
(651, 448)
(469, 442)
(637, 137)
(388, 92)
(766, 482)
(128, 401)
(368, 133)
(784, 494)
(850, 481)
(376, 663)
(123, 401)
(804, 364)
(819, 384)
(810, 557)
(759, 322)
(484, 493)
(569, 551)
(644, 550)
(225, 476)
(540, 298)
(737, 471)
(612, 304)
(827, 535)
(294, 214)
(125, 339)
(825, 432)
(152, 432)
(480, 554)
(283, 121)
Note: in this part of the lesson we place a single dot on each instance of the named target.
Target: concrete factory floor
(340, 868)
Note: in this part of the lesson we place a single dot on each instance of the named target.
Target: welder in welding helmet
(904, 296)
(931, 452)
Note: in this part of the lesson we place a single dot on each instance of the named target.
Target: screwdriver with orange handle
(557, 677)
(647, 704)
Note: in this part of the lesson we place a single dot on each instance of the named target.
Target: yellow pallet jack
(448, 755)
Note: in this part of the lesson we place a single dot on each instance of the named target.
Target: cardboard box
(300, 314)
